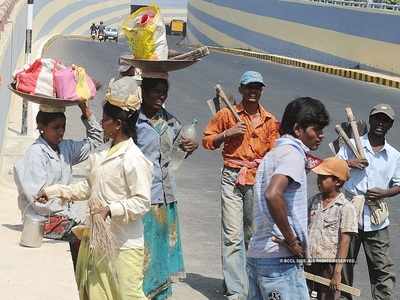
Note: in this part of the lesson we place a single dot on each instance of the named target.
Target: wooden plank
(322, 280)
(192, 55)
(211, 105)
(325, 281)
(356, 134)
(347, 141)
(224, 98)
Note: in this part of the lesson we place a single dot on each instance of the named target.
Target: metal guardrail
(361, 4)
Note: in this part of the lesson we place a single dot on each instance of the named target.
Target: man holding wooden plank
(248, 131)
(375, 175)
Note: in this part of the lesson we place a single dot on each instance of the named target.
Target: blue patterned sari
(163, 263)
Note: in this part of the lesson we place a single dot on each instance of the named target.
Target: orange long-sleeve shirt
(253, 145)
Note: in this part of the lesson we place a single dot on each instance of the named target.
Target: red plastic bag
(58, 227)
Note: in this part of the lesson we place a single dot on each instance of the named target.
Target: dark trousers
(325, 270)
(74, 244)
(380, 266)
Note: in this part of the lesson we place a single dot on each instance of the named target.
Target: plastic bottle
(178, 155)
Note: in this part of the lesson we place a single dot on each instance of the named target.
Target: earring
(41, 131)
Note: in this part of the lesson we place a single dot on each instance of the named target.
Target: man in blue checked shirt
(279, 242)
(375, 182)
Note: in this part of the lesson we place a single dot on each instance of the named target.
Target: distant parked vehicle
(111, 33)
(176, 27)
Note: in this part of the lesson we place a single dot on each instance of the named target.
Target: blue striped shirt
(287, 158)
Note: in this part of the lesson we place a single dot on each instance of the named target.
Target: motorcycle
(101, 37)
(93, 34)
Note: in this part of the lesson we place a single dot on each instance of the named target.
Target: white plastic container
(188, 132)
(32, 233)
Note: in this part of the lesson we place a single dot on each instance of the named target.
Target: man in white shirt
(376, 181)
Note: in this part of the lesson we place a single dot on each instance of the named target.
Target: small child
(332, 222)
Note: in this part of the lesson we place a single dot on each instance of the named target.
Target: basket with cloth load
(151, 57)
(146, 36)
(145, 32)
(54, 86)
(49, 82)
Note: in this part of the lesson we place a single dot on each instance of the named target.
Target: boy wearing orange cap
(332, 222)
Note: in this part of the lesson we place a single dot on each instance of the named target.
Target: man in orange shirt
(245, 144)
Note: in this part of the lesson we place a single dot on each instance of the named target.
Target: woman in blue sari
(158, 135)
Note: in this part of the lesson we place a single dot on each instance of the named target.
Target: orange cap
(333, 166)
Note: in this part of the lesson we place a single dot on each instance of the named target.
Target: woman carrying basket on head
(158, 136)
(111, 256)
(50, 158)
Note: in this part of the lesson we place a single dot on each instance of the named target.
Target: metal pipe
(28, 54)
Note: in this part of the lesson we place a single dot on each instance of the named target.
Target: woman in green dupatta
(158, 135)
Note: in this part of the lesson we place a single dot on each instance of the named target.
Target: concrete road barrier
(362, 75)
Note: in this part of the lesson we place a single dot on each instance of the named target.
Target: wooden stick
(322, 280)
(332, 148)
(346, 139)
(325, 281)
(231, 99)
(227, 102)
(210, 104)
(356, 134)
(192, 55)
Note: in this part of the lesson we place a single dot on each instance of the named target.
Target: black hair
(305, 112)
(45, 118)
(338, 180)
(150, 83)
(244, 85)
(128, 119)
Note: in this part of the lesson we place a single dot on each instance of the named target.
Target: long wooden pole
(346, 139)
(224, 98)
(322, 280)
(356, 134)
(192, 55)
(325, 281)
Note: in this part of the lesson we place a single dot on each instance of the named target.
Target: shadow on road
(15, 227)
(211, 288)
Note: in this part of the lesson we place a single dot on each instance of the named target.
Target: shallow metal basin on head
(40, 99)
(157, 65)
